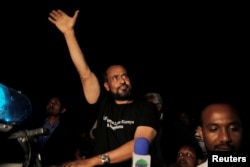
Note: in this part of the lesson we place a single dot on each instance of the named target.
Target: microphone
(141, 157)
(29, 133)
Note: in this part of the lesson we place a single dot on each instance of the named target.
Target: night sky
(181, 56)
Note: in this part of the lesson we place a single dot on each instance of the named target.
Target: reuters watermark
(228, 159)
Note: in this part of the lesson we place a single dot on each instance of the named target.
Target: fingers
(58, 13)
(52, 16)
(55, 14)
(51, 20)
(76, 13)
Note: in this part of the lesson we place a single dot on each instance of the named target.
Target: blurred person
(85, 147)
(220, 128)
(121, 119)
(58, 145)
(157, 100)
(156, 148)
(185, 127)
(188, 155)
(200, 142)
(177, 129)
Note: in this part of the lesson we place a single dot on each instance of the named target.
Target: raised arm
(65, 24)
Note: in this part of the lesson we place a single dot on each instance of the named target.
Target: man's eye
(212, 128)
(124, 76)
(115, 78)
(180, 154)
(235, 128)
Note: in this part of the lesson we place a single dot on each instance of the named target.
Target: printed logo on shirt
(114, 125)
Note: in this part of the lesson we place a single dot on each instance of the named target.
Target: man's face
(118, 82)
(53, 107)
(221, 128)
(186, 157)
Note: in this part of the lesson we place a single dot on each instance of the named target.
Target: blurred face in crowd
(221, 128)
(185, 118)
(186, 157)
(54, 107)
(118, 82)
(152, 99)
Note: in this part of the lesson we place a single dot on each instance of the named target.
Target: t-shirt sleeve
(149, 115)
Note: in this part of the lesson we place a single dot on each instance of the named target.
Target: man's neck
(53, 119)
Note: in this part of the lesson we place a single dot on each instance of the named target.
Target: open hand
(63, 21)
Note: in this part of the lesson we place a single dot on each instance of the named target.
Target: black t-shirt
(116, 124)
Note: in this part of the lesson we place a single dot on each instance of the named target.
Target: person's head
(185, 117)
(55, 106)
(220, 127)
(156, 99)
(116, 81)
(187, 156)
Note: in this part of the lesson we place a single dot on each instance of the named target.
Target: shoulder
(204, 164)
(144, 103)
(145, 108)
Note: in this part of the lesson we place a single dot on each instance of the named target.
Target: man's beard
(125, 95)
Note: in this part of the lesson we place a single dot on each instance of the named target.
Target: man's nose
(122, 80)
(224, 135)
(51, 103)
(184, 155)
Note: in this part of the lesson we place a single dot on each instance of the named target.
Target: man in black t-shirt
(121, 120)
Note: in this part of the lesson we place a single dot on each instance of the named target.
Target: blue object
(15, 107)
(141, 146)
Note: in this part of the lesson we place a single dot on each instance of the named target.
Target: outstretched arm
(65, 24)
(122, 153)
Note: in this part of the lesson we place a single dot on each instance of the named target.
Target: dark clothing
(59, 147)
(116, 124)
(175, 133)
(42, 140)
(156, 148)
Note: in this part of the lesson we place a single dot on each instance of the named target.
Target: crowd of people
(122, 117)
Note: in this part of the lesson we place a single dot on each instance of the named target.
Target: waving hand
(63, 21)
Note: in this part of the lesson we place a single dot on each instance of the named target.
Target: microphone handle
(29, 133)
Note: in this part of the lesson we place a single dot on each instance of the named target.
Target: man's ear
(106, 86)
(199, 130)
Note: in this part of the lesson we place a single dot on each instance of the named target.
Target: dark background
(184, 54)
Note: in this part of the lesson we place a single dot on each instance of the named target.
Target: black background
(186, 54)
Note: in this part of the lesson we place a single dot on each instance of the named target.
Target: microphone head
(141, 146)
